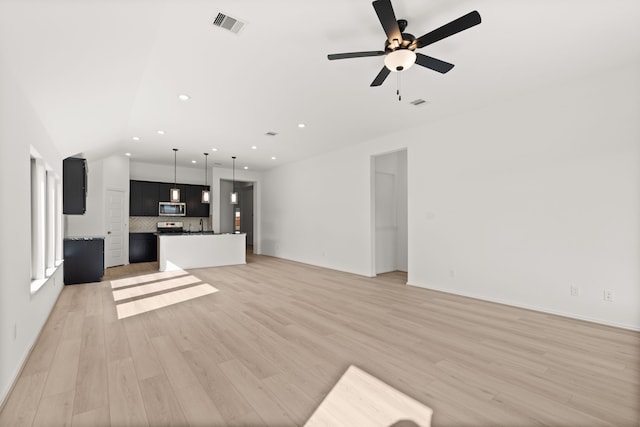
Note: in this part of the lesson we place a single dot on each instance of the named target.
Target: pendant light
(206, 195)
(174, 193)
(234, 193)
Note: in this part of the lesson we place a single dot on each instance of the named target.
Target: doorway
(389, 212)
(239, 217)
(114, 241)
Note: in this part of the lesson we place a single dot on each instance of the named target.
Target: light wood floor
(276, 336)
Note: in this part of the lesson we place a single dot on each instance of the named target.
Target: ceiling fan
(400, 47)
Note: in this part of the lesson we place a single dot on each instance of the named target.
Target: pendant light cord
(234, 174)
(175, 182)
(206, 155)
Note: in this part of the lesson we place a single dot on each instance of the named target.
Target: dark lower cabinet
(83, 260)
(143, 247)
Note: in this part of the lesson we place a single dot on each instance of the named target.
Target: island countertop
(200, 250)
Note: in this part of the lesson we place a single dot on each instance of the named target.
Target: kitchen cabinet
(143, 247)
(195, 207)
(83, 260)
(74, 186)
(144, 197)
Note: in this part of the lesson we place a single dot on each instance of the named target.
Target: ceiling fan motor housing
(406, 43)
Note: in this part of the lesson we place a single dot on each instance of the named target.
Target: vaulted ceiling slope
(99, 72)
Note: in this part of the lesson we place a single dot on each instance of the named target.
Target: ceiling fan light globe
(400, 60)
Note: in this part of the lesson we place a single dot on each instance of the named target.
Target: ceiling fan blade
(381, 76)
(355, 54)
(433, 63)
(387, 18)
(464, 22)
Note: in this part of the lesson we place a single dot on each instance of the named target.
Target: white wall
(512, 203)
(525, 199)
(111, 173)
(20, 312)
(225, 216)
(317, 211)
(164, 173)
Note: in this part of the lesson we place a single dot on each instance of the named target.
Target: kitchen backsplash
(147, 224)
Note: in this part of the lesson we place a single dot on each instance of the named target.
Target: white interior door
(114, 242)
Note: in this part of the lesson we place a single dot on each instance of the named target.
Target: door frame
(372, 207)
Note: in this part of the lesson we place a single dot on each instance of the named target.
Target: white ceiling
(99, 72)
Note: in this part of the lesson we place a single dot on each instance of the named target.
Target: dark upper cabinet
(164, 191)
(74, 186)
(149, 198)
(145, 195)
(143, 198)
(195, 207)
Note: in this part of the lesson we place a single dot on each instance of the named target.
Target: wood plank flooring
(270, 343)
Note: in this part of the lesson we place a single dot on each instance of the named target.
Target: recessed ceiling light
(273, 157)
(127, 154)
(246, 167)
(253, 147)
(193, 161)
(300, 125)
(160, 132)
(214, 149)
(184, 97)
(136, 138)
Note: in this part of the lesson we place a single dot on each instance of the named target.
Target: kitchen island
(199, 250)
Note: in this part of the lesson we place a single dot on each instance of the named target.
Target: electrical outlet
(608, 295)
(575, 291)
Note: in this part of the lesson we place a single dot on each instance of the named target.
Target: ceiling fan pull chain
(398, 90)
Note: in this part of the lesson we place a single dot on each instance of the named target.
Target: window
(38, 222)
(46, 221)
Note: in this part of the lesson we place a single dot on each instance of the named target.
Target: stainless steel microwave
(172, 209)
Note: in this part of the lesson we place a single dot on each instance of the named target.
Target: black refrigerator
(83, 260)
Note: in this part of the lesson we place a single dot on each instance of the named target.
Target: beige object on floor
(359, 399)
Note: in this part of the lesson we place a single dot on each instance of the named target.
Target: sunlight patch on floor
(121, 283)
(360, 399)
(155, 302)
(153, 287)
(150, 292)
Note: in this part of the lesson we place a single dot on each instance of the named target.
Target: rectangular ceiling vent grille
(228, 23)
(418, 102)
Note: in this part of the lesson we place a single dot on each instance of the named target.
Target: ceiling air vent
(228, 23)
(418, 102)
(271, 133)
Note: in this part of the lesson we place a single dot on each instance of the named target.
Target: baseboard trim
(532, 308)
